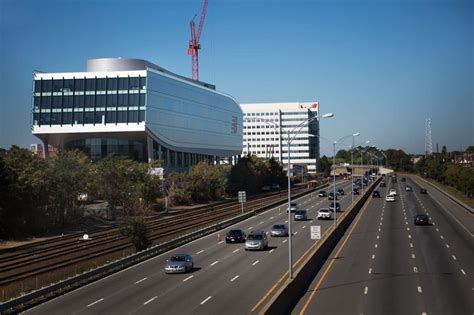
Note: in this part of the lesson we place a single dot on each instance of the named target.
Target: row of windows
(98, 117)
(261, 114)
(259, 127)
(261, 145)
(260, 152)
(261, 133)
(89, 101)
(92, 84)
(261, 139)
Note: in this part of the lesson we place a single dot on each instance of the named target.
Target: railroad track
(33, 260)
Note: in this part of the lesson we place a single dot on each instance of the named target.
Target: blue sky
(382, 67)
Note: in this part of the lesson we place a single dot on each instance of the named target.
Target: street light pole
(352, 165)
(334, 180)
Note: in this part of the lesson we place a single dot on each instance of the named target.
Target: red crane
(194, 44)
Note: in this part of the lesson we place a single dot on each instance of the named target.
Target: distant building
(465, 159)
(134, 108)
(265, 132)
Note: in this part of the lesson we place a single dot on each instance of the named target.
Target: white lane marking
(406, 223)
(250, 228)
(311, 221)
(413, 256)
(408, 229)
(303, 226)
(255, 262)
(295, 233)
(261, 222)
(284, 241)
(411, 245)
(376, 245)
(415, 270)
(220, 242)
(286, 221)
(150, 300)
(207, 299)
(271, 251)
(378, 237)
(419, 289)
(437, 230)
(280, 213)
(463, 272)
(271, 218)
(370, 270)
(442, 237)
(447, 246)
(199, 252)
(234, 278)
(137, 282)
(424, 313)
(98, 301)
(187, 278)
(409, 236)
(235, 251)
(454, 257)
(380, 229)
(366, 290)
(214, 263)
(373, 256)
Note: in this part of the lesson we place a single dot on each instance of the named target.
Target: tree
(470, 149)
(206, 182)
(136, 230)
(323, 165)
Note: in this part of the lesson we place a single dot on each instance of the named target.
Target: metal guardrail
(39, 296)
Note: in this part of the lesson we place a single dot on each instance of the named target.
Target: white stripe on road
(447, 246)
(261, 222)
(98, 301)
(411, 245)
(463, 272)
(271, 251)
(409, 236)
(373, 256)
(303, 226)
(214, 263)
(415, 270)
(141, 280)
(378, 237)
(284, 241)
(271, 218)
(256, 262)
(370, 270)
(376, 245)
(366, 290)
(220, 242)
(419, 289)
(413, 256)
(235, 251)
(207, 299)
(250, 228)
(442, 237)
(295, 233)
(454, 257)
(150, 300)
(199, 252)
(234, 278)
(187, 278)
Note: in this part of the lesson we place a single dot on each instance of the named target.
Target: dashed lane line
(150, 300)
(205, 300)
(235, 251)
(234, 278)
(366, 290)
(216, 262)
(454, 257)
(137, 282)
(199, 252)
(190, 277)
(463, 272)
(420, 290)
(93, 303)
(255, 262)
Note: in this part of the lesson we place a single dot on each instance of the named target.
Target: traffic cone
(218, 237)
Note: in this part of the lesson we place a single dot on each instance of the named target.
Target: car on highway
(375, 194)
(392, 192)
(338, 206)
(331, 196)
(422, 219)
(279, 230)
(340, 192)
(301, 215)
(179, 263)
(293, 206)
(422, 190)
(325, 214)
(322, 193)
(404, 179)
(235, 236)
(256, 240)
(408, 188)
(355, 191)
(390, 198)
(382, 184)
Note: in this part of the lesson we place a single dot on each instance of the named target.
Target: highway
(226, 278)
(387, 265)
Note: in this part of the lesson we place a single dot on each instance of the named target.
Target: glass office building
(137, 109)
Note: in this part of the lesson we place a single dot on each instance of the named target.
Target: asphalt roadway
(387, 265)
(226, 278)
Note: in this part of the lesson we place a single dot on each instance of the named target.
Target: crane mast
(194, 45)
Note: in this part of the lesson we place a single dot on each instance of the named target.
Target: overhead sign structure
(315, 232)
(242, 199)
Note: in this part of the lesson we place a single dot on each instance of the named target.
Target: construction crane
(194, 44)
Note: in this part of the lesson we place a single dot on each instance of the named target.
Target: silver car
(301, 215)
(179, 263)
(256, 240)
(279, 230)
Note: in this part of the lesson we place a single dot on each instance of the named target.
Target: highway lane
(386, 265)
(226, 277)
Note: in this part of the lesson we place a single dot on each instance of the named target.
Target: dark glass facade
(98, 148)
(108, 100)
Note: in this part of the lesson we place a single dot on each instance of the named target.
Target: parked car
(422, 190)
(322, 193)
(408, 188)
(301, 215)
(293, 207)
(390, 198)
(392, 192)
(179, 263)
(257, 239)
(279, 230)
(235, 236)
(338, 206)
(325, 214)
(375, 194)
(422, 219)
(340, 192)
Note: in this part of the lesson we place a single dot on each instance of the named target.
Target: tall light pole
(352, 165)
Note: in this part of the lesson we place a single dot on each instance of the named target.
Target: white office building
(134, 108)
(266, 129)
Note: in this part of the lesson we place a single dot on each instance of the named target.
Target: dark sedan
(235, 236)
(422, 219)
(375, 194)
(422, 191)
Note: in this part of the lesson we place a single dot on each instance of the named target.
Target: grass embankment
(453, 192)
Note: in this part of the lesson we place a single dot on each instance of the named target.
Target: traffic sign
(242, 197)
(315, 232)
